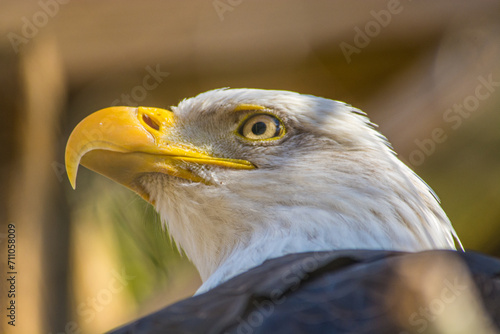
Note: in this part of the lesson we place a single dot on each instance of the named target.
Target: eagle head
(244, 175)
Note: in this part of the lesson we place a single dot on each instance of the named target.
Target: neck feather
(228, 229)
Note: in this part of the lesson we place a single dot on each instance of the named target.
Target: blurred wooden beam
(33, 93)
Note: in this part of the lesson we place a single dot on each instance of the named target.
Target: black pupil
(259, 128)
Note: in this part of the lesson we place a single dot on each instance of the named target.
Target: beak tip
(72, 177)
(71, 163)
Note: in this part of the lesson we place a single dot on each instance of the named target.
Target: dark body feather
(351, 291)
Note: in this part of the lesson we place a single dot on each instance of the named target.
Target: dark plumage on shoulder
(359, 291)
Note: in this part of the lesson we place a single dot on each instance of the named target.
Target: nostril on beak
(150, 122)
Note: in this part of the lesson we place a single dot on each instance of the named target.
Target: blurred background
(427, 72)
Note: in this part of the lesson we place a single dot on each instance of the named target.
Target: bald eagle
(297, 214)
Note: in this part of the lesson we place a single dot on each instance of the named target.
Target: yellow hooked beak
(123, 143)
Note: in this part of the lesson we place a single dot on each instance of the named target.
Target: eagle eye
(261, 127)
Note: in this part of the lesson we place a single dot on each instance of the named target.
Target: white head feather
(331, 183)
